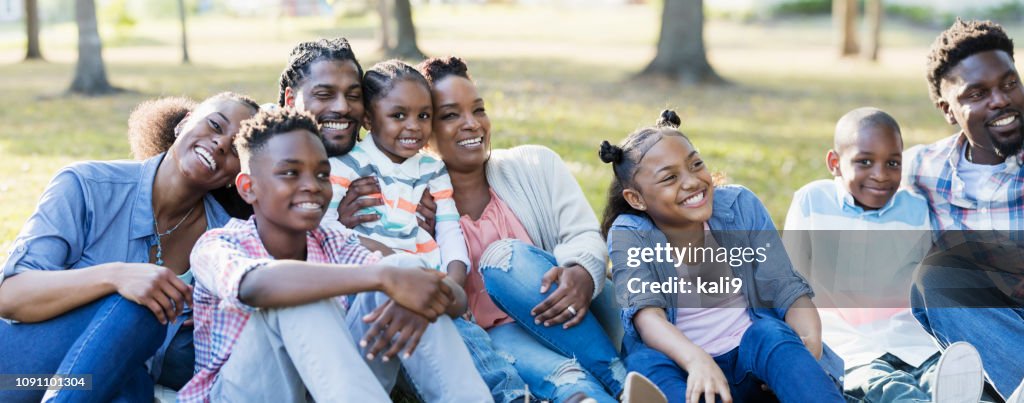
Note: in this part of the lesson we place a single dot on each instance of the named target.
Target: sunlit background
(559, 73)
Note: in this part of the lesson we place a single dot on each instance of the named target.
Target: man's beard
(338, 150)
(1005, 150)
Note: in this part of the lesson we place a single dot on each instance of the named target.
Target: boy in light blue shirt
(857, 238)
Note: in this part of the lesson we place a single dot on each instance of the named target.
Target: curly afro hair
(151, 125)
(256, 132)
(435, 69)
(962, 40)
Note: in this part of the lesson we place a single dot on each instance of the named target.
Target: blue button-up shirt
(92, 213)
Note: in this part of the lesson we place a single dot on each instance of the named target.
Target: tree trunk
(681, 55)
(406, 47)
(184, 33)
(32, 30)
(873, 14)
(90, 73)
(385, 25)
(844, 18)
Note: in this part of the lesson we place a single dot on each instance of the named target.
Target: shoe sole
(959, 375)
(639, 389)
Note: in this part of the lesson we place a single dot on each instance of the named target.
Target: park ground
(557, 76)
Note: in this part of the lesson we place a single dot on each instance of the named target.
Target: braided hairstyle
(625, 159)
(382, 77)
(306, 53)
(436, 69)
(962, 40)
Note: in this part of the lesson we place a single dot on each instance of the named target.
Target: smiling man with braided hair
(323, 77)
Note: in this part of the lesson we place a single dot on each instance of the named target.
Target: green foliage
(802, 7)
(1009, 12)
(919, 15)
(564, 83)
(116, 16)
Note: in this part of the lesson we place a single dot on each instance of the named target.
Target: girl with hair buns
(759, 336)
(536, 253)
(98, 279)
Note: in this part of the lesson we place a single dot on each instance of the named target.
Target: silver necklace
(159, 247)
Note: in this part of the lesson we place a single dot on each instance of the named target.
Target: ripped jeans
(554, 362)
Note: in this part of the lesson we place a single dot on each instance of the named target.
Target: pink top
(719, 328)
(495, 223)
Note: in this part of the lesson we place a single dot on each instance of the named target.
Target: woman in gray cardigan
(537, 252)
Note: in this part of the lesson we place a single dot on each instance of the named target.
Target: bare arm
(289, 282)
(803, 317)
(38, 295)
(459, 303)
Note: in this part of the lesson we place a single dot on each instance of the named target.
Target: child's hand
(390, 320)
(420, 290)
(706, 378)
(575, 289)
(427, 209)
(354, 201)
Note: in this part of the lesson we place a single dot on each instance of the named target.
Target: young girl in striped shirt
(399, 117)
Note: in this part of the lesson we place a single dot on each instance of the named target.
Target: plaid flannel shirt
(219, 260)
(990, 230)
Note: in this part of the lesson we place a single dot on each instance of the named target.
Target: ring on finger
(572, 310)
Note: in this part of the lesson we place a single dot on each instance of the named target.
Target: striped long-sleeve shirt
(402, 185)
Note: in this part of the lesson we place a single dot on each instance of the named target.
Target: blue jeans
(889, 379)
(500, 375)
(770, 353)
(109, 339)
(543, 356)
(955, 300)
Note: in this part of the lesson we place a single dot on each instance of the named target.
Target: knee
(138, 318)
(499, 255)
(567, 374)
(325, 308)
(769, 331)
(646, 361)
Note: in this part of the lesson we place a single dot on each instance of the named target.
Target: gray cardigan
(538, 187)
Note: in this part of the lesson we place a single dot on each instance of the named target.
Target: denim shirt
(94, 212)
(738, 219)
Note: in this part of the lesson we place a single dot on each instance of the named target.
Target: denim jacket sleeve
(54, 237)
(621, 239)
(777, 284)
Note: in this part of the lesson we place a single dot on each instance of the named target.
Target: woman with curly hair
(98, 279)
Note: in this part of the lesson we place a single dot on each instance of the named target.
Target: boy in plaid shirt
(279, 300)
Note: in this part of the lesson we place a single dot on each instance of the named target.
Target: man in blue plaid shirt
(969, 287)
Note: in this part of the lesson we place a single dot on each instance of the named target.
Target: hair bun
(669, 118)
(610, 153)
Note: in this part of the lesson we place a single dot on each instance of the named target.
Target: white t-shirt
(975, 177)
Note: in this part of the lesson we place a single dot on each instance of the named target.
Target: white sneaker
(639, 389)
(959, 376)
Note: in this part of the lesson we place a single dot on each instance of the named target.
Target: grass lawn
(550, 75)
